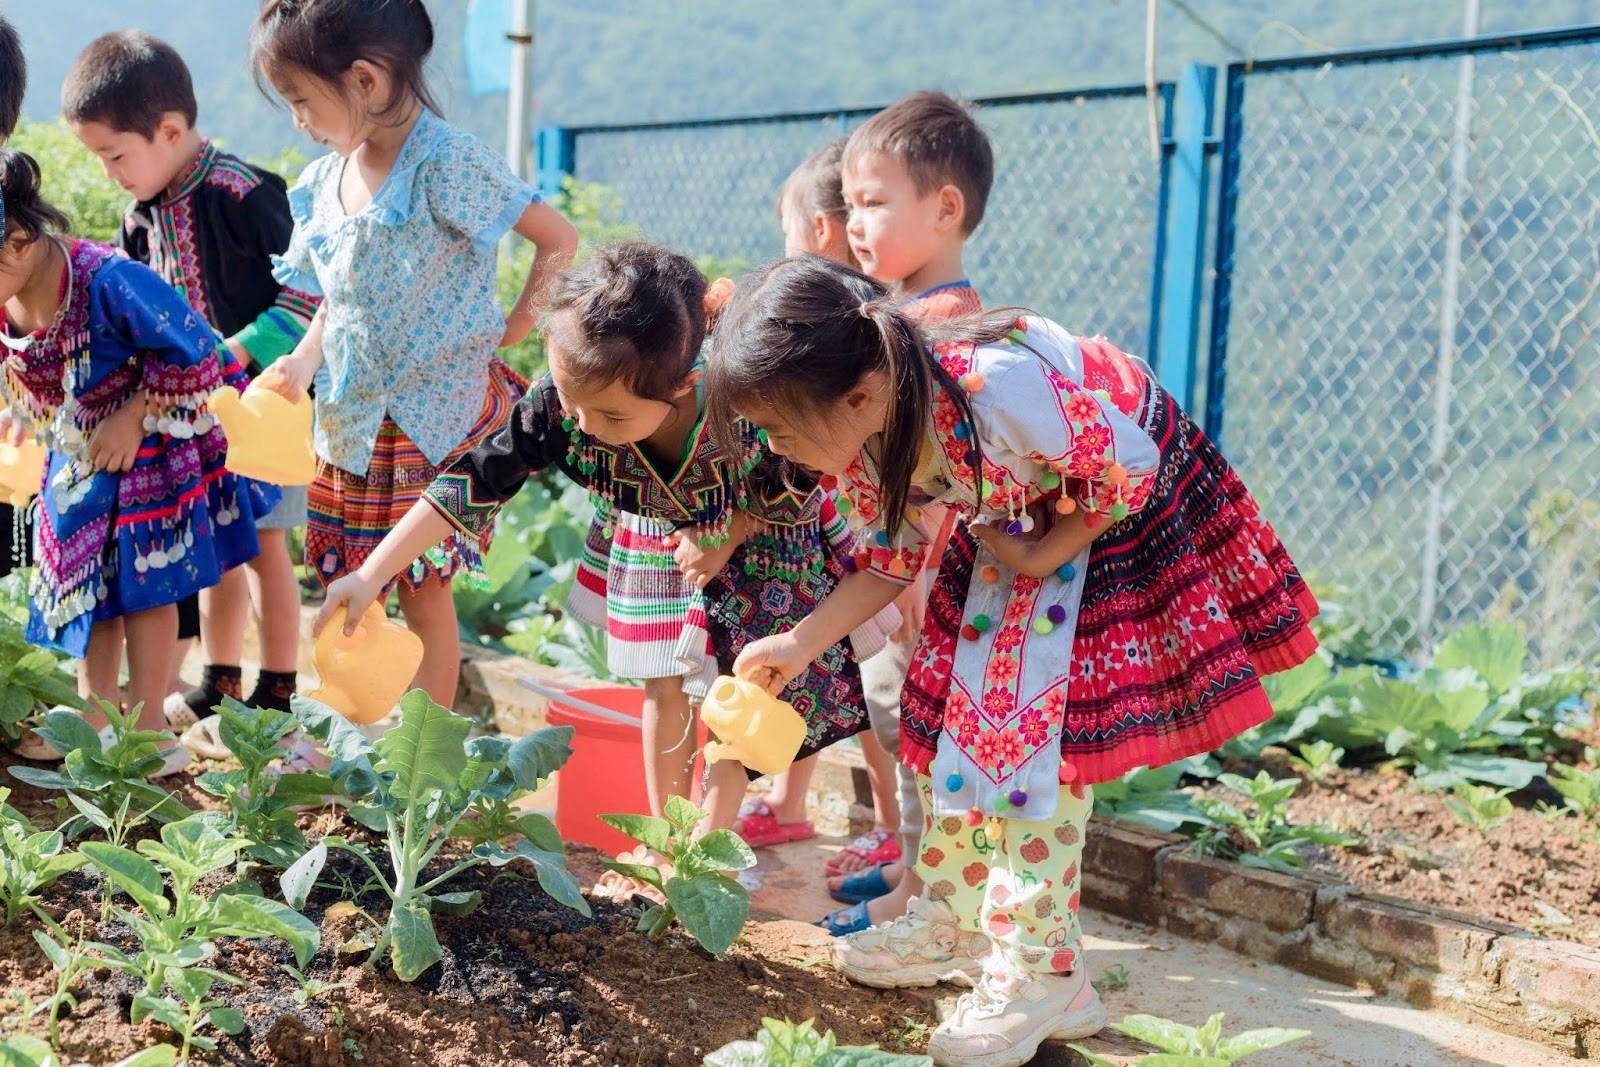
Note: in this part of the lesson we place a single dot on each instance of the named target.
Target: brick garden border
(1488, 973)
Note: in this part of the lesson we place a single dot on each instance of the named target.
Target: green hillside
(654, 59)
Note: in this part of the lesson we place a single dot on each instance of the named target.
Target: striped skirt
(349, 514)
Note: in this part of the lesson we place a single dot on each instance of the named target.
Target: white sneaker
(924, 946)
(1004, 1020)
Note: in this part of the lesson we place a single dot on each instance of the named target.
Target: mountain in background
(606, 61)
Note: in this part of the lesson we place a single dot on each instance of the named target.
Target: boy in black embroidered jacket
(209, 224)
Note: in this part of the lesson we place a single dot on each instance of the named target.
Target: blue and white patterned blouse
(409, 284)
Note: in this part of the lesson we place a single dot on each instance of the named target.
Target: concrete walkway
(1177, 979)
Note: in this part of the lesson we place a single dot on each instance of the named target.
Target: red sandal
(758, 825)
(875, 847)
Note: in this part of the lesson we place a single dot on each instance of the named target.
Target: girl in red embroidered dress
(1111, 601)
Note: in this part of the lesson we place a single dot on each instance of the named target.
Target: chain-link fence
(1404, 335)
(1412, 361)
(1070, 228)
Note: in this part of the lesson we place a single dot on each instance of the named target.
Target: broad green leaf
(1294, 689)
(539, 755)
(301, 876)
(66, 731)
(1496, 651)
(550, 868)
(306, 787)
(347, 744)
(414, 947)
(53, 951)
(227, 1020)
(712, 907)
(1252, 1041)
(244, 916)
(131, 873)
(639, 872)
(541, 832)
(1461, 695)
(221, 783)
(683, 813)
(1206, 1036)
(1503, 771)
(24, 1051)
(425, 751)
(454, 903)
(648, 830)
(722, 850)
(1164, 1034)
(15, 703)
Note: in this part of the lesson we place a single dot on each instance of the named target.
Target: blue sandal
(845, 921)
(862, 885)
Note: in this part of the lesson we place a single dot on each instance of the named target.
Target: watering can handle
(561, 696)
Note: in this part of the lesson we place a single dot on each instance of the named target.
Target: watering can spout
(754, 727)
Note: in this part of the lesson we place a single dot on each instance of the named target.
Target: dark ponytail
(26, 211)
(799, 334)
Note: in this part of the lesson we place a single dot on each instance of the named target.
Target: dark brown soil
(523, 981)
(1542, 874)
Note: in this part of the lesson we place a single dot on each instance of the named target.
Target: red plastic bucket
(605, 775)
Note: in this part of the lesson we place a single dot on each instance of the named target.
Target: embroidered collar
(196, 175)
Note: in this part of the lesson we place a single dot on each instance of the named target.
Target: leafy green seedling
(711, 906)
(1194, 1046)
(31, 679)
(107, 772)
(1479, 807)
(1580, 787)
(30, 860)
(786, 1044)
(263, 801)
(1263, 837)
(70, 957)
(177, 935)
(1318, 759)
(1114, 978)
(414, 786)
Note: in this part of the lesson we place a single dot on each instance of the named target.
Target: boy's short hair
(13, 78)
(937, 140)
(128, 81)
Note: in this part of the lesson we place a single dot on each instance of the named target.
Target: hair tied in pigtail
(718, 293)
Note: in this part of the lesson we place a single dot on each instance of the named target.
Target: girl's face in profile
(612, 413)
(827, 440)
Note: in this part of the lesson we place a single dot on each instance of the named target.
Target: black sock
(273, 690)
(217, 682)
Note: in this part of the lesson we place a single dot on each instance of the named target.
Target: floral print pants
(1014, 880)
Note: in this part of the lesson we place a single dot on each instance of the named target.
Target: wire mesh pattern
(1070, 228)
(1412, 455)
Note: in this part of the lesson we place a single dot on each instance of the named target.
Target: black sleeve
(478, 484)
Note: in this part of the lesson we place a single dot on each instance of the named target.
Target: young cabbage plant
(415, 785)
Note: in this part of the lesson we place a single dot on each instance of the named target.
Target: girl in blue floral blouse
(396, 229)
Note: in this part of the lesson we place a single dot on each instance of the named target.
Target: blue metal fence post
(1158, 258)
(1227, 220)
(555, 153)
(1189, 188)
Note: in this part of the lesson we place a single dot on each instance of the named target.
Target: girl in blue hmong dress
(108, 366)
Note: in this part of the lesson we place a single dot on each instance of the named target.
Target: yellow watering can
(269, 436)
(21, 472)
(754, 727)
(364, 675)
